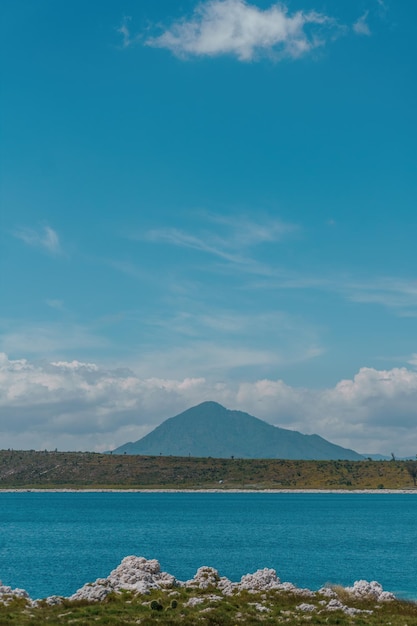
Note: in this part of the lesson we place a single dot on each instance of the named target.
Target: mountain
(209, 429)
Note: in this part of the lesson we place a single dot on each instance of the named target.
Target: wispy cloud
(58, 305)
(210, 339)
(46, 238)
(180, 238)
(382, 9)
(246, 232)
(397, 294)
(124, 30)
(231, 241)
(235, 241)
(128, 268)
(361, 27)
(413, 360)
(243, 30)
(394, 293)
(47, 339)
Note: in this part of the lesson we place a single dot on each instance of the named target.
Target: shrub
(156, 605)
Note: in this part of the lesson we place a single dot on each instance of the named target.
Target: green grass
(82, 470)
(127, 608)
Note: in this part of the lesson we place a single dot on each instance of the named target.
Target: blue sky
(210, 200)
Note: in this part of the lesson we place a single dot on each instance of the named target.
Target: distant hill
(210, 430)
(385, 457)
(376, 457)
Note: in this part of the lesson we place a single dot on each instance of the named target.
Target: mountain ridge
(210, 430)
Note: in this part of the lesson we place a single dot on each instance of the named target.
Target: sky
(209, 200)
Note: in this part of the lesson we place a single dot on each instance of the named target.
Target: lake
(52, 543)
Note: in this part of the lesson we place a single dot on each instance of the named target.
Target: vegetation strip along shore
(30, 469)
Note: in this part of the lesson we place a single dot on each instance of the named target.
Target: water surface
(52, 543)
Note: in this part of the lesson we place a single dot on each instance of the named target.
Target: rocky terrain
(139, 589)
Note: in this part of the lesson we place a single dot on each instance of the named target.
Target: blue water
(52, 543)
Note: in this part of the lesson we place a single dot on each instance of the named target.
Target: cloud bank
(237, 28)
(82, 406)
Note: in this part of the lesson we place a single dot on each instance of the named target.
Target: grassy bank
(78, 470)
(178, 607)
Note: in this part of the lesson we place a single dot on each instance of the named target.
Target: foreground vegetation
(175, 607)
(82, 470)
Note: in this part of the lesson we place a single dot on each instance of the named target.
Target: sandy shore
(92, 490)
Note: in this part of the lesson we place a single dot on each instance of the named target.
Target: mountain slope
(209, 429)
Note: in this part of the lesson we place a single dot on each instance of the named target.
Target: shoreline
(104, 490)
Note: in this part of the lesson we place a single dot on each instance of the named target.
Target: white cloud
(360, 27)
(243, 30)
(76, 405)
(46, 239)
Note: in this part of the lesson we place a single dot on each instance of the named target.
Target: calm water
(52, 543)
